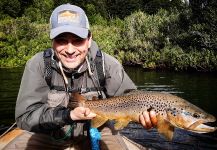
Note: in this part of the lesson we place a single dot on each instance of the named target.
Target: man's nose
(70, 48)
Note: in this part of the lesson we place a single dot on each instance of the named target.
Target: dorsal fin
(78, 97)
(76, 100)
(94, 98)
(132, 92)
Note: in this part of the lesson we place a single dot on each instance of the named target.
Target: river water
(198, 88)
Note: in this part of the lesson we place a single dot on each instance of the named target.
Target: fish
(171, 111)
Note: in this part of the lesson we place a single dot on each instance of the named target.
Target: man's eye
(78, 40)
(61, 41)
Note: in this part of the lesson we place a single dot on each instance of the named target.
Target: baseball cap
(68, 18)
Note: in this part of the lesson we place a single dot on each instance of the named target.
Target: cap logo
(68, 17)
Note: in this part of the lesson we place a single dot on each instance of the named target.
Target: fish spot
(150, 108)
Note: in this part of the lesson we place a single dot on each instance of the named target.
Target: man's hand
(148, 119)
(82, 113)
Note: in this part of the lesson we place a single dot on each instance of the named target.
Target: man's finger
(91, 115)
(87, 112)
(147, 119)
(142, 121)
(153, 118)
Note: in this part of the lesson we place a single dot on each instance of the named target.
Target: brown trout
(172, 111)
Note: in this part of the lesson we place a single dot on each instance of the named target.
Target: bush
(107, 37)
(20, 39)
(175, 58)
(161, 40)
(142, 36)
(143, 31)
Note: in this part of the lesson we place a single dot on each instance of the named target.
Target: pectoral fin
(98, 121)
(76, 100)
(121, 123)
(165, 128)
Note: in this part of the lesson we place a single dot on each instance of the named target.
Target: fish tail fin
(76, 100)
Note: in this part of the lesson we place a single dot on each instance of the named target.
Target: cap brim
(81, 32)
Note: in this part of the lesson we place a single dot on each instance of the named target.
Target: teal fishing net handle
(95, 136)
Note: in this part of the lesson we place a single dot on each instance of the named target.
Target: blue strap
(95, 136)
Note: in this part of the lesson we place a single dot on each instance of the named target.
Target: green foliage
(40, 11)
(151, 33)
(98, 20)
(196, 27)
(122, 8)
(20, 39)
(33, 14)
(175, 58)
(142, 30)
(143, 39)
(10, 8)
(108, 37)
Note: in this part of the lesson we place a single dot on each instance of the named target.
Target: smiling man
(71, 50)
(73, 64)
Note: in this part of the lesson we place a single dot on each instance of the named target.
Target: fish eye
(195, 115)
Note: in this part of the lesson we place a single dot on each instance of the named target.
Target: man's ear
(89, 41)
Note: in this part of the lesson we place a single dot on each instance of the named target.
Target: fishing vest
(77, 128)
(99, 64)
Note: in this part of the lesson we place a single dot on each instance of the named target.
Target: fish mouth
(201, 126)
(211, 124)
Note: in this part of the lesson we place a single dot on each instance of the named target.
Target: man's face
(70, 49)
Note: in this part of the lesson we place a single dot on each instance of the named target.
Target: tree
(40, 10)
(9, 8)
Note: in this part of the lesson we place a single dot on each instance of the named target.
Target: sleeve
(32, 112)
(117, 80)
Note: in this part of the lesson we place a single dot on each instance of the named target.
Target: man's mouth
(71, 58)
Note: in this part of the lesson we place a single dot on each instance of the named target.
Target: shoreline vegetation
(156, 36)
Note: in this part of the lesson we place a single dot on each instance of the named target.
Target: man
(70, 66)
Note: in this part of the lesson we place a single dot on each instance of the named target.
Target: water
(10, 82)
(198, 88)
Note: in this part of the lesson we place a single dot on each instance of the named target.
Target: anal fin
(121, 123)
(98, 121)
